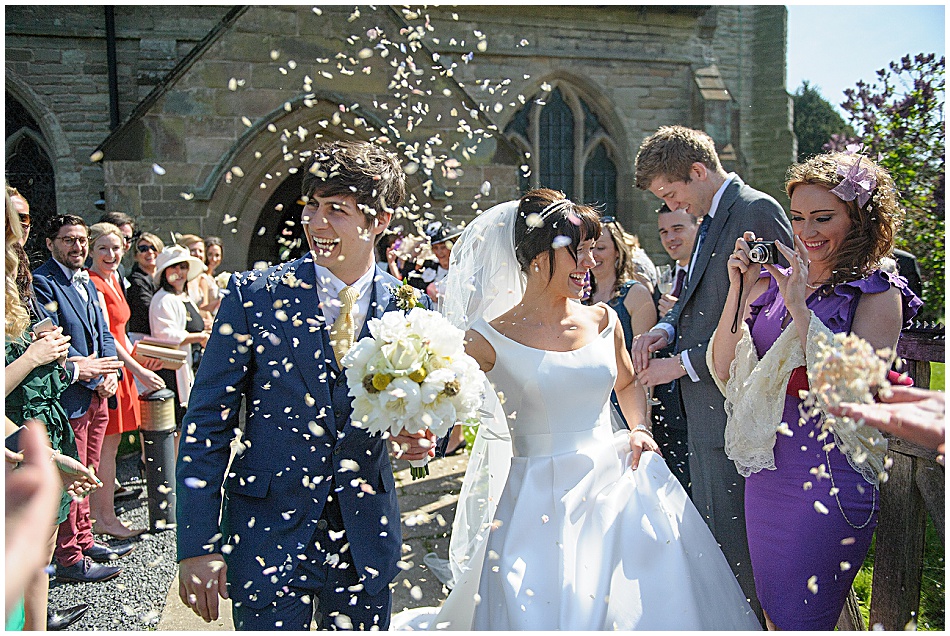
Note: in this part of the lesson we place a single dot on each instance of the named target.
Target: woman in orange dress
(106, 249)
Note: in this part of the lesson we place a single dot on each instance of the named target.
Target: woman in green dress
(35, 375)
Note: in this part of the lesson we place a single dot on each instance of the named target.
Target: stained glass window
(565, 146)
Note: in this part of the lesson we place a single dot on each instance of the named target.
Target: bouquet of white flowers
(413, 374)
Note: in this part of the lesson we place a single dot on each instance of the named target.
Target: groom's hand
(413, 446)
(201, 580)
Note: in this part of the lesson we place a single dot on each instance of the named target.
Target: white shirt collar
(718, 197)
(328, 292)
(69, 272)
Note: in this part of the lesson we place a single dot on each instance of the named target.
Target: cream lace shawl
(755, 401)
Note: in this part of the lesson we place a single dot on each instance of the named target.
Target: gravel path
(134, 600)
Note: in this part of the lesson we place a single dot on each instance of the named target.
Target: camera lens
(759, 254)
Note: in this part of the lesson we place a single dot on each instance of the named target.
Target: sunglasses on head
(147, 248)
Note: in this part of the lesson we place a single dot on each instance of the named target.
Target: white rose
(404, 354)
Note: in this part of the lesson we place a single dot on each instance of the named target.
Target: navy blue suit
(300, 443)
(82, 320)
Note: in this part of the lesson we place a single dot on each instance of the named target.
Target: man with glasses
(63, 287)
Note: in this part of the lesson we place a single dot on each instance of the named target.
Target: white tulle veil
(484, 282)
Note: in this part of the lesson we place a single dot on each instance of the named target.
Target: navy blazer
(270, 344)
(81, 320)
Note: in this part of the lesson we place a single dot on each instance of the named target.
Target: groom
(309, 523)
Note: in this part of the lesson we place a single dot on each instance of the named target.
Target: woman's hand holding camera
(741, 267)
(794, 285)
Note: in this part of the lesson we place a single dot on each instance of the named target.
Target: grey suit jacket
(696, 313)
(717, 488)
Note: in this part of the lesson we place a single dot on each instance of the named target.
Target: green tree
(816, 120)
(900, 120)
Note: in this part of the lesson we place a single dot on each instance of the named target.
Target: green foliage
(816, 120)
(900, 120)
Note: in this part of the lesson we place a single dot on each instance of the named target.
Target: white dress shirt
(328, 292)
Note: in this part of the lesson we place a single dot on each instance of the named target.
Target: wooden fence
(914, 489)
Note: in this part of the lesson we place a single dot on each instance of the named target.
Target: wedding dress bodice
(556, 401)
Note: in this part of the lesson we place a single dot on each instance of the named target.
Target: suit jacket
(717, 489)
(270, 344)
(81, 320)
(696, 314)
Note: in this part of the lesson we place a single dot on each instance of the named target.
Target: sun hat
(174, 255)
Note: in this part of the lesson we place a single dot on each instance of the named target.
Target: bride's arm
(479, 348)
(633, 402)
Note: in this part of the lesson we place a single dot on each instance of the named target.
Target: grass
(937, 376)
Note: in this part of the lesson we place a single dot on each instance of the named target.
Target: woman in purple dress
(811, 497)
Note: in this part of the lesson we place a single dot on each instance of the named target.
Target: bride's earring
(536, 268)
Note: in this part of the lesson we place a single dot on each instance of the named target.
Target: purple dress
(789, 540)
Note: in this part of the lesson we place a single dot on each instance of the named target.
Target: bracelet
(643, 429)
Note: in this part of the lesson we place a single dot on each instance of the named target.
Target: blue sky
(835, 46)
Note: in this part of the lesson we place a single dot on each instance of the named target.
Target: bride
(561, 523)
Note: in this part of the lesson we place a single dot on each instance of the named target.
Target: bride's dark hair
(544, 217)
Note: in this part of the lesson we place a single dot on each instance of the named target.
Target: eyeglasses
(72, 240)
(144, 249)
(128, 239)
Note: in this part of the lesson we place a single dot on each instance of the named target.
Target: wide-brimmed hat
(173, 256)
(439, 232)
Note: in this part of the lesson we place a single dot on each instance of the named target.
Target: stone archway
(257, 214)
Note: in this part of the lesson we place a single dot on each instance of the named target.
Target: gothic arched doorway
(278, 236)
(30, 171)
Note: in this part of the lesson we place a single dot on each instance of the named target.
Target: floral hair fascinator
(858, 182)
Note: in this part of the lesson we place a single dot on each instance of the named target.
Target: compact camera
(763, 252)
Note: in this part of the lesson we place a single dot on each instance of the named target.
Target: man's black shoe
(61, 619)
(86, 572)
(104, 553)
(122, 493)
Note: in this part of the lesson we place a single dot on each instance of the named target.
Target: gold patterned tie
(341, 335)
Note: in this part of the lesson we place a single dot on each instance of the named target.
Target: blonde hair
(152, 239)
(17, 320)
(187, 240)
(99, 230)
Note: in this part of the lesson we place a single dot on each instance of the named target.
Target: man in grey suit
(680, 166)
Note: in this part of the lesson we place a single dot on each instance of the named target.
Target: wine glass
(665, 283)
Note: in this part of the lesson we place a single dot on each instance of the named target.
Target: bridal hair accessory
(537, 219)
(858, 182)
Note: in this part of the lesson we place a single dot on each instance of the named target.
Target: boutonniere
(407, 297)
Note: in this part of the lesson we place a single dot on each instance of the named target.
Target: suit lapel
(81, 308)
(304, 326)
(723, 210)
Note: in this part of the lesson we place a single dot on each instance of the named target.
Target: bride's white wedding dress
(580, 541)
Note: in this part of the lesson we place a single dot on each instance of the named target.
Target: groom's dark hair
(359, 169)
(545, 218)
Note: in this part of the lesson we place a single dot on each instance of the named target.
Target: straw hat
(173, 256)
